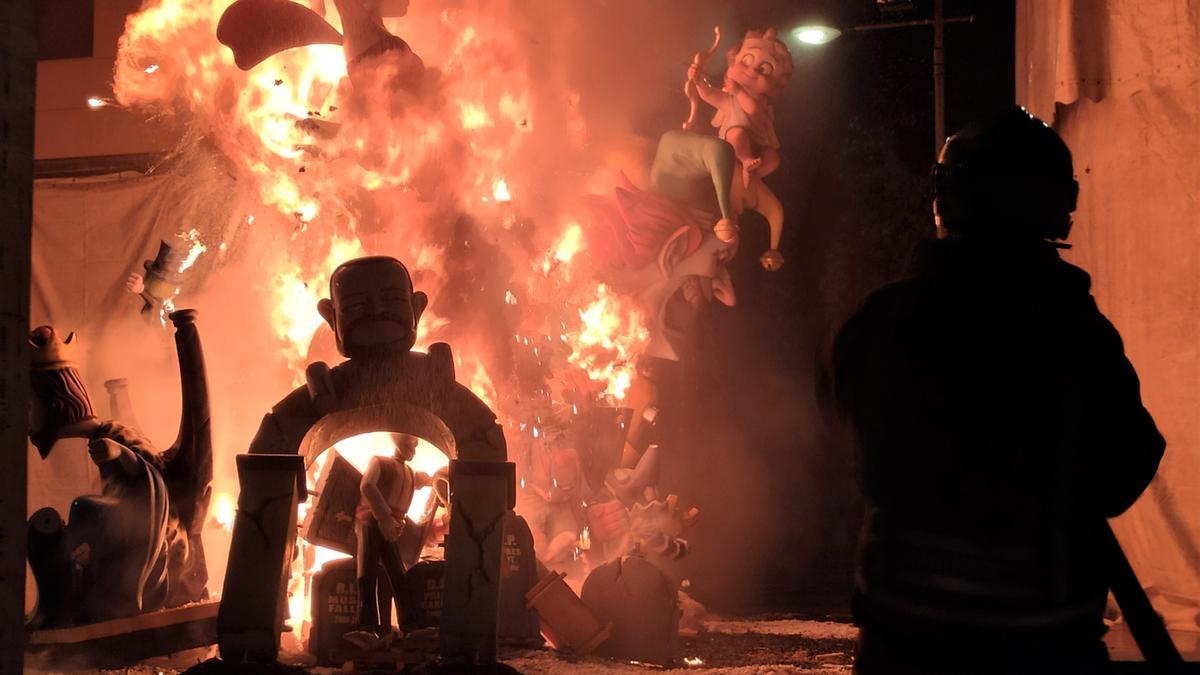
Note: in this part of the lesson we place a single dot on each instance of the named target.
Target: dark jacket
(997, 422)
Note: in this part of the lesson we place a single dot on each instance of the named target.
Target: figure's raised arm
(713, 96)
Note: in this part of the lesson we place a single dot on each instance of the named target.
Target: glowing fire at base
(358, 450)
(223, 510)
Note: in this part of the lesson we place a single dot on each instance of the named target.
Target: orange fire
(569, 243)
(195, 248)
(467, 181)
(607, 342)
(294, 300)
(223, 510)
(312, 158)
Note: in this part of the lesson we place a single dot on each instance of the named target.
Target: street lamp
(815, 34)
(818, 34)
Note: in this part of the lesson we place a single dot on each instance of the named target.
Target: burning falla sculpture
(652, 247)
(758, 70)
(255, 30)
(583, 508)
(674, 240)
(374, 311)
(681, 232)
(136, 547)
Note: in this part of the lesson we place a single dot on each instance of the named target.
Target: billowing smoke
(472, 174)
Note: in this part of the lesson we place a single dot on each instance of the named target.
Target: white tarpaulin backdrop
(1120, 80)
(88, 236)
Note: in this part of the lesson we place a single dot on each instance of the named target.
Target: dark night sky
(779, 508)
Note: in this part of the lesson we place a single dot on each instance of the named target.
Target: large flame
(294, 298)
(465, 180)
(607, 342)
(326, 169)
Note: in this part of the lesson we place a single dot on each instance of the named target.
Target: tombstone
(641, 603)
(481, 493)
(422, 598)
(518, 623)
(335, 610)
(253, 601)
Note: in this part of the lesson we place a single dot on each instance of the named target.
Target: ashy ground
(761, 645)
(727, 646)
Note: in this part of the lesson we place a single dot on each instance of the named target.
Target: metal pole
(939, 75)
(18, 71)
(908, 24)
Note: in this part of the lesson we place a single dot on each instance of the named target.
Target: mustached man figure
(374, 313)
